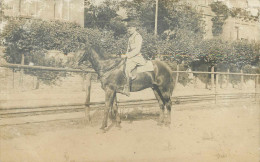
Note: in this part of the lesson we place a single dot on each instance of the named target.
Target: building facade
(64, 10)
(73, 10)
(234, 28)
(241, 27)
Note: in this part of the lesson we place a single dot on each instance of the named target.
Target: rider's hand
(123, 56)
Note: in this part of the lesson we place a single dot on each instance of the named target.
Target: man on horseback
(133, 54)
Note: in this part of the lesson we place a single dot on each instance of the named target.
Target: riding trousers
(131, 63)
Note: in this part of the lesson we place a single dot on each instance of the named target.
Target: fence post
(33, 80)
(21, 73)
(37, 82)
(13, 78)
(83, 82)
(241, 79)
(221, 80)
(216, 86)
(87, 102)
(256, 87)
(194, 80)
(212, 78)
(177, 76)
(227, 78)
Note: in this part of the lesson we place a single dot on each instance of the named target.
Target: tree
(105, 17)
(222, 13)
(245, 53)
(34, 37)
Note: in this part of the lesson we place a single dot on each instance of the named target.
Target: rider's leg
(129, 67)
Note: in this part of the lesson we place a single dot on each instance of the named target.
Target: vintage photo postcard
(129, 80)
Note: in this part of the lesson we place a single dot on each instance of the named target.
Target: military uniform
(133, 54)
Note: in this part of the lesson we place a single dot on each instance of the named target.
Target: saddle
(148, 66)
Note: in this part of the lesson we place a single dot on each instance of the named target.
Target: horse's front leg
(115, 108)
(109, 98)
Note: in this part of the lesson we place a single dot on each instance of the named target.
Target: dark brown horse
(111, 74)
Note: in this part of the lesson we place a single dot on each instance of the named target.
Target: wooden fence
(89, 72)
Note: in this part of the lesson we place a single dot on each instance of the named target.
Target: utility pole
(156, 18)
(68, 9)
(19, 7)
(156, 24)
(54, 10)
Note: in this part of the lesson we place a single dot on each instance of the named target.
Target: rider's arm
(128, 47)
(136, 47)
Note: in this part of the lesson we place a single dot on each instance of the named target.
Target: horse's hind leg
(161, 104)
(168, 105)
(166, 98)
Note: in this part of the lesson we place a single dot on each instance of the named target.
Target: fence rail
(45, 68)
(215, 96)
(92, 71)
(222, 73)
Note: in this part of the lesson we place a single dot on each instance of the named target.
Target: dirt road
(228, 133)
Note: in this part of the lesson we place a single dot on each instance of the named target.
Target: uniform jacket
(134, 49)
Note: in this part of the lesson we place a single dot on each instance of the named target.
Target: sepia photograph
(129, 80)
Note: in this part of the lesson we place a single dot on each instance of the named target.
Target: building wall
(237, 3)
(207, 16)
(237, 29)
(203, 7)
(73, 11)
(66, 10)
(234, 28)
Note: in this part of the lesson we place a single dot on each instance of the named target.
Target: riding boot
(126, 89)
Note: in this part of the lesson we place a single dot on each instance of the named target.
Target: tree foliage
(180, 36)
(34, 38)
(222, 13)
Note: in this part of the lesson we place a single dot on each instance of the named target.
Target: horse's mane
(100, 51)
(108, 63)
(112, 64)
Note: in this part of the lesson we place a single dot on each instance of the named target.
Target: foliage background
(179, 39)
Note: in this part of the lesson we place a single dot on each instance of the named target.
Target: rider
(133, 54)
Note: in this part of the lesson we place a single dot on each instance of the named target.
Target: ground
(201, 132)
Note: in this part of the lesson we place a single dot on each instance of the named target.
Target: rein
(105, 71)
(102, 72)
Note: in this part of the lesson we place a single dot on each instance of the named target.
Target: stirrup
(133, 77)
(125, 92)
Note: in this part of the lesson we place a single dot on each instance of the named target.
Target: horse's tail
(168, 84)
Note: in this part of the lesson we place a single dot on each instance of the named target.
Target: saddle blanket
(148, 66)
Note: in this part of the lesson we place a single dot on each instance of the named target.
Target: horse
(112, 76)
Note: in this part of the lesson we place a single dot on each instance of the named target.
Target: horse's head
(82, 57)
(92, 53)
